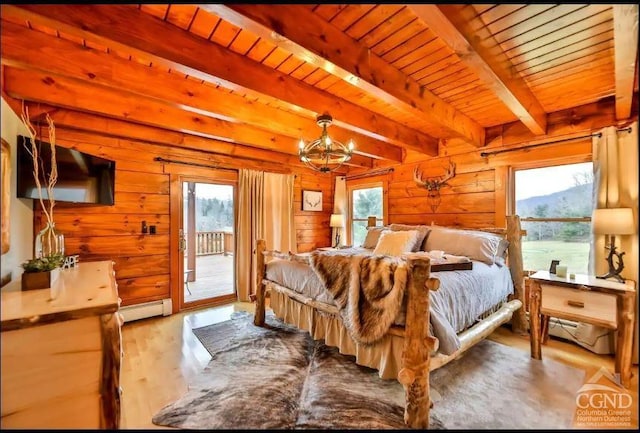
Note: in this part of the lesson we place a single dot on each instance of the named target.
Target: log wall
(478, 194)
(97, 232)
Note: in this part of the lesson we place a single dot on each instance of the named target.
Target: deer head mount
(433, 184)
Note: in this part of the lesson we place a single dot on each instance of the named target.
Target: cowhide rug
(280, 378)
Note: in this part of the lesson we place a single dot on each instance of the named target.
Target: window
(555, 205)
(364, 201)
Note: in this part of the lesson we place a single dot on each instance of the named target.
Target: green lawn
(537, 255)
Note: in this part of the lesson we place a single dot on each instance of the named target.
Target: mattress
(463, 297)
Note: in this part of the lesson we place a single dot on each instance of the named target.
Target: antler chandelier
(325, 154)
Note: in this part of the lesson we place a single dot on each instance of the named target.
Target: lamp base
(610, 275)
(614, 270)
(337, 245)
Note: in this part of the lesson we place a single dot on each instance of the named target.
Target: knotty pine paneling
(476, 196)
(468, 199)
(312, 228)
(142, 261)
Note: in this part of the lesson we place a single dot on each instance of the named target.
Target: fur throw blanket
(368, 291)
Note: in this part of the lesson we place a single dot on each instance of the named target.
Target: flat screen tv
(82, 178)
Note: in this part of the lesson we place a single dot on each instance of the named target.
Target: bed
(425, 306)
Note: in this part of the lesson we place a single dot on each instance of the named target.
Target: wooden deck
(213, 277)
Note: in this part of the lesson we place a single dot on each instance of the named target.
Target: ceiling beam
(125, 28)
(462, 30)
(134, 155)
(625, 40)
(25, 48)
(71, 120)
(74, 94)
(298, 30)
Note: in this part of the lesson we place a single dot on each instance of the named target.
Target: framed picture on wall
(312, 200)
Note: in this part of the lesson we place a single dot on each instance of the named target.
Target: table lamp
(337, 222)
(612, 222)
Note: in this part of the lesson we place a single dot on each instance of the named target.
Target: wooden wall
(478, 194)
(312, 228)
(475, 197)
(142, 193)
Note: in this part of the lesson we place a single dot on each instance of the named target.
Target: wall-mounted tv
(82, 178)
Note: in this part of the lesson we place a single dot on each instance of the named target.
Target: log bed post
(514, 235)
(418, 344)
(258, 318)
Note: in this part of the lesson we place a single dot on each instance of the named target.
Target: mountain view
(573, 202)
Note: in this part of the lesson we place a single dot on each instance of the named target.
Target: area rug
(280, 378)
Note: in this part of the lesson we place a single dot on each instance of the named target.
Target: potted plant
(41, 272)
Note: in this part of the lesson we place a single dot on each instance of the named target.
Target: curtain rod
(173, 161)
(369, 174)
(597, 134)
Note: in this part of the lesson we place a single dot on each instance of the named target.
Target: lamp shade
(337, 220)
(614, 221)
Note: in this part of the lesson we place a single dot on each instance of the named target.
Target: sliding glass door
(207, 242)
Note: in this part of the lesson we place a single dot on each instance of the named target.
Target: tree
(540, 211)
(367, 202)
(583, 178)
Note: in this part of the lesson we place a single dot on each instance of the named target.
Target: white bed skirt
(385, 355)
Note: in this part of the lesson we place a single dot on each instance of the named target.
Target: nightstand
(584, 299)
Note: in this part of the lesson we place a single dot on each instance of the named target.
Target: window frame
(511, 201)
(358, 184)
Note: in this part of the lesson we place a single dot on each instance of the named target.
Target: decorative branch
(52, 178)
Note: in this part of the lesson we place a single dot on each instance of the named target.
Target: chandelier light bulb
(324, 154)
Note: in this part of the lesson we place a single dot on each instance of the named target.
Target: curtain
(250, 227)
(615, 167)
(279, 230)
(340, 206)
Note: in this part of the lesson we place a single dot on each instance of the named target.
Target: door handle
(182, 242)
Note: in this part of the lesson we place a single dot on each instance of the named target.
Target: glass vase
(49, 241)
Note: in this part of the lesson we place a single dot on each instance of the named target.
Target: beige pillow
(396, 243)
(421, 242)
(477, 245)
(373, 234)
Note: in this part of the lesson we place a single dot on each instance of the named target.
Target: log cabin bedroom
(319, 216)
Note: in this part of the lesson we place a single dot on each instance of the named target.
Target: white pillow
(423, 230)
(394, 243)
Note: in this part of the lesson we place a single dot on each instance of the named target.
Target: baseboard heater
(594, 338)
(148, 309)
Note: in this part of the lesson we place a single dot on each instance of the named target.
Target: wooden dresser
(61, 352)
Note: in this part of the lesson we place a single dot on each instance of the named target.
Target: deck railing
(208, 243)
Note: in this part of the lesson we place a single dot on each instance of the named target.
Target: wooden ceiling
(248, 80)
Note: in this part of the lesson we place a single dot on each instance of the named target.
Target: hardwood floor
(161, 357)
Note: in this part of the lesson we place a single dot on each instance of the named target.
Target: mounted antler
(434, 184)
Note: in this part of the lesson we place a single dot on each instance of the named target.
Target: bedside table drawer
(575, 304)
